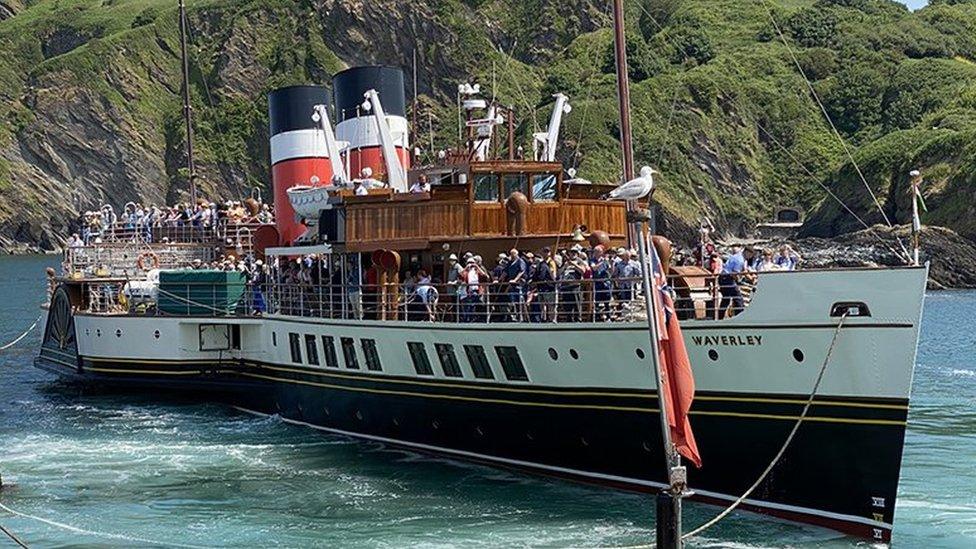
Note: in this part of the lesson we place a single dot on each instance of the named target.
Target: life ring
(153, 260)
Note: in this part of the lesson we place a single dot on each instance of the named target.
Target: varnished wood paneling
(391, 221)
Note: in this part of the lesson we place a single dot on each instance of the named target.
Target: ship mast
(187, 112)
(668, 503)
(623, 102)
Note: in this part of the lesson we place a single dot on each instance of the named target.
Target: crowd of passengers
(572, 284)
(137, 219)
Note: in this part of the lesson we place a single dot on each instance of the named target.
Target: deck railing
(617, 300)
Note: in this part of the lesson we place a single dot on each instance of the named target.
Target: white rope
(786, 444)
(779, 454)
(23, 335)
(110, 535)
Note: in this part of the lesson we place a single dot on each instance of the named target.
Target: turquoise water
(130, 471)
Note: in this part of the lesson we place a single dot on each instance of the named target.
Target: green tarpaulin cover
(193, 292)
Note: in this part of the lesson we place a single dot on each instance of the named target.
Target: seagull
(636, 188)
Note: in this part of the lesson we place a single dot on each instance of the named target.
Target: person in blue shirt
(728, 282)
(600, 267)
(516, 273)
(787, 258)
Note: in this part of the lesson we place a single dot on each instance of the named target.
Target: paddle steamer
(350, 351)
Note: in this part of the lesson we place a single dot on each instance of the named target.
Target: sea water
(123, 471)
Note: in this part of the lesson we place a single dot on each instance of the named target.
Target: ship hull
(587, 410)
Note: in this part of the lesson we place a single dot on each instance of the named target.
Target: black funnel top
(290, 108)
(350, 85)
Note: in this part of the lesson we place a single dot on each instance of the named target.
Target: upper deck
(472, 201)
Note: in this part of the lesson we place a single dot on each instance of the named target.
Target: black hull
(841, 470)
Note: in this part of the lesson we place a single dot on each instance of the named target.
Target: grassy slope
(717, 104)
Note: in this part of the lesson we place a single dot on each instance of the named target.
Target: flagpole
(916, 220)
(668, 501)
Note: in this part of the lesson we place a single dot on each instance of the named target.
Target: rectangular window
(511, 363)
(486, 187)
(478, 361)
(515, 182)
(421, 362)
(445, 353)
(543, 187)
(349, 352)
(311, 350)
(372, 356)
(328, 350)
(296, 348)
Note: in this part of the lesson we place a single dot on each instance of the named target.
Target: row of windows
(541, 188)
(477, 358)
(331, 359)
(508, 357)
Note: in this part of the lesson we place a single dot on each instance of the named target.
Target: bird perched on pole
(636, 188)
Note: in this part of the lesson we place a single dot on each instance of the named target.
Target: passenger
(728, 282)
(471, 277)
(360, 188)
(543, 285)
(355, 288)
(787, 259)
(453, 277)
(573, 271)
(427, 294)
(420, 185)
(625, 274)
(768, 263)
(515, 274)
(600, 269)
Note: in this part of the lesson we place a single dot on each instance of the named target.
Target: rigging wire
(788, 153)
(210, 102)
(823, 109)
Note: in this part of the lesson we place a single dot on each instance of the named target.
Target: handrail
(561, 301)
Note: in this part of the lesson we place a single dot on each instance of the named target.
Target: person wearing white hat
(452, 275)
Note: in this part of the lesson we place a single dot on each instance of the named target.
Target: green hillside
(90, 108)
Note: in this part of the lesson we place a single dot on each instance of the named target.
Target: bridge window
(543, 187)
(421, 362)
(511, 363)
(486, 187)
(445, 353)
(311, 350)
(328, 348)
(512, 182)
(349, 353)
(478, 361)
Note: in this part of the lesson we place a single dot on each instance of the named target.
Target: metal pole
(623, 103)
(511, 134)
(669, 500)
(187, 111)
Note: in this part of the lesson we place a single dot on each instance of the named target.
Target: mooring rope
(77, 530)
(13, 538)
(23, 335)
(779, 454)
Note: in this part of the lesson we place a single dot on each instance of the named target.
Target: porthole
(156, 334)
(98, 332)
(327, 412)
(713, 354)
(118, 332)
(584, 442)
(798, 355)
(574, 354)
(87, 332)
(553, 354)
(479, 432)
(396, 422)
(359, 415)
(529, 435)
(640, 353)
(646, 446)
(435, 424)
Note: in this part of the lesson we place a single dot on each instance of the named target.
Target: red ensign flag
(678, 383)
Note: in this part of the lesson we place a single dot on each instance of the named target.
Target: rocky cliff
(90, 109)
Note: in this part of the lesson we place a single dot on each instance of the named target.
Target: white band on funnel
(298, 144)
(362, 132)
